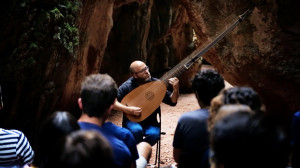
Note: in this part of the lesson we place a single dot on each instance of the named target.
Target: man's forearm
(120, 107)
(174, 96)
(132, 110)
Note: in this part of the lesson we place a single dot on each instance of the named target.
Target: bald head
(135, 66)
(140, 71)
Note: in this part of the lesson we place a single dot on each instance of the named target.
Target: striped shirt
(14, 148)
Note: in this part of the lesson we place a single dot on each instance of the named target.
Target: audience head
(98, 93)
(245, 140)
(53, 131)
(228, 109)
(234, 95)
(207, 84)
(85, 148)
(242, 95)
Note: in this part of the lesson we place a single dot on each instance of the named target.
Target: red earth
(170, 116)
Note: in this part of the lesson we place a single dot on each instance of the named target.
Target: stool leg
(156, 153)
(159, 152)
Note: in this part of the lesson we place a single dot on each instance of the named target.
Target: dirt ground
(170, 116)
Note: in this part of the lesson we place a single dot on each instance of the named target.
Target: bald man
(148, 129)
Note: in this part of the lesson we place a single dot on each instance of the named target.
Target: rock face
(262, 52)
(95, 23)
(40, 76)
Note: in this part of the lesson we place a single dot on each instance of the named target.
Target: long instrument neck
(186, 63)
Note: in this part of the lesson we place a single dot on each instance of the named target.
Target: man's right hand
(136, 111)
(132, 110)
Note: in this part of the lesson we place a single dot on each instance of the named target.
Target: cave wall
(95, 23)
(262, 52)
(38, 43)
(154, 31)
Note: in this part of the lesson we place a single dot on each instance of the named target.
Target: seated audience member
(141, 152)
(243, 95)
(97, 97)
(234, 95)
(191, 139)
(15, 149)
(52, 134)
(83, 149)
(248, 141)
(295, 140)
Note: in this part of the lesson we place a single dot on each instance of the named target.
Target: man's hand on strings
(175, 83)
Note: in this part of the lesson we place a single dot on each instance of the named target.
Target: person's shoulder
(154, 79)
(196, 114)
(128, 81)
(112, 126)
(11, 132)
(297, 114)
(90, 126)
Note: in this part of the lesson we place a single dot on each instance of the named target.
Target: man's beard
(142, 80)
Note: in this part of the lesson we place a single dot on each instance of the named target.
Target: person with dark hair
(242, 139)
(234, 95)
(243, 95)
(97, 97)
(84, 148)
(191, 138)
(147, 130)
(52, 134)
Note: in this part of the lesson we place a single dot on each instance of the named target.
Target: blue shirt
(124, 135)
(295, 135)
(131, 84)
(121, 154)
(192, 137)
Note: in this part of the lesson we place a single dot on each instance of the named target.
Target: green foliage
(56, 14)
(41, 29)
(65, 32)
(48, 25)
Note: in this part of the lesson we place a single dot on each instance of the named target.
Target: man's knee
(152, 137)
(137, 131)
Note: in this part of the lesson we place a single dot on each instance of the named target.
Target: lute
(149, 96)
